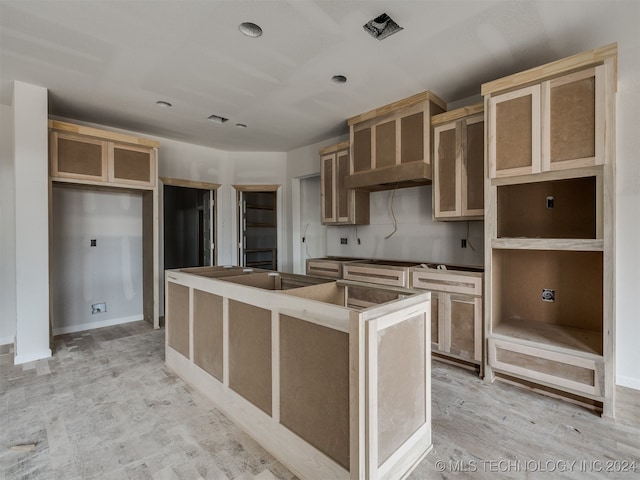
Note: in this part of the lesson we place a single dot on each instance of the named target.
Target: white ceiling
(108, 62)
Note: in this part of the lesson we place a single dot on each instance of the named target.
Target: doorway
(189, 227)
(257, 227)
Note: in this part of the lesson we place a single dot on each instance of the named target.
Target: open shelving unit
(549, 228)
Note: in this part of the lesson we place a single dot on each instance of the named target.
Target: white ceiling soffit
(109, 62)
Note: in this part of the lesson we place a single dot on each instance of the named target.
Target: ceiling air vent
(217, 119)
(381, 27)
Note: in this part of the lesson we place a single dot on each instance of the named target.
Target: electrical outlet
(550, 202)
(548, 295)
(358, 241)
(94, 242)
(463, 243)
(343, 241)
(98, 308)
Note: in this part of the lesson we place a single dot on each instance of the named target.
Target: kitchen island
(332, 390)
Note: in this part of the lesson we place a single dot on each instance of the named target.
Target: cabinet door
(328, 188)
(412, 138)
(342, 194)
(385, 144)
(132, 165)
(472, 182)
(361, 150)
(464, 325)
(77, 157)
(446, 171)
(573, 120)
(514, 133)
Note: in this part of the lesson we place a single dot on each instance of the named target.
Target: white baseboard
(7, 340)
(90, 326)
(629, 382)
(31, 357)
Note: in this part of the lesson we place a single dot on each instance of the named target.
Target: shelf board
(252, 206)
(260, 225)
(550, 335)
(258, 250)
(577, 244)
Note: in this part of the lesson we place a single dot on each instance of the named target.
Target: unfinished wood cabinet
(550, 234)
(319, 383)
(391, 145)
(96, 159)
(458, 164)
(339, 204)
(553, 124)
(84, 154)
(456, 311)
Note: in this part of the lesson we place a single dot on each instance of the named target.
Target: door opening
(257, 229)
(189, 227)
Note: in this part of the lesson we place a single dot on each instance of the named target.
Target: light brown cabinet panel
(89, 159)
(458, 165)
(132, 165)
(78, 157)
(514, 133)
(456, 302)
(556, 124)
(340, 205)
(391, 145)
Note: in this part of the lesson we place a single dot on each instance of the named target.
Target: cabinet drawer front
(551, 368)
(382, 275)
(324, 269)
(444, 281)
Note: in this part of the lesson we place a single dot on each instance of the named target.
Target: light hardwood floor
(104, 407)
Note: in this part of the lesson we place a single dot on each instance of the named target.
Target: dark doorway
(188, 227)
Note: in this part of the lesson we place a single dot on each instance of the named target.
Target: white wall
(31, 160)
(627, 196)
(417, 237)
(110, 272)
(7, 230)
(312, 230)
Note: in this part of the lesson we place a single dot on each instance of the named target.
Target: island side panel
(401, 384)
(250, 353)
(207, 333)
(314, 385)
(178, 318)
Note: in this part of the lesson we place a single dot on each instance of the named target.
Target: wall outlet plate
(343, 241)
(98, 308)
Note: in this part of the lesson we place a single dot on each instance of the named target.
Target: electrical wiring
(467, 238)
(395, 222)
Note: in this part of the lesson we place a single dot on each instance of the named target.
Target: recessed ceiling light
(250, 29)
(381, 27)
(339, 79)
(163, 104)
(217, 119)
(241, 125)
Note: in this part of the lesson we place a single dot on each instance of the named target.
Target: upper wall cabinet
(87, 155)
(458, 164)
(391, 145)
(556, 122)
(340, 205)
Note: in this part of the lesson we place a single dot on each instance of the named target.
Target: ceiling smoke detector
(381, 27)
(217, 119)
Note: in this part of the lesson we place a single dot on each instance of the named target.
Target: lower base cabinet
(456, 312)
